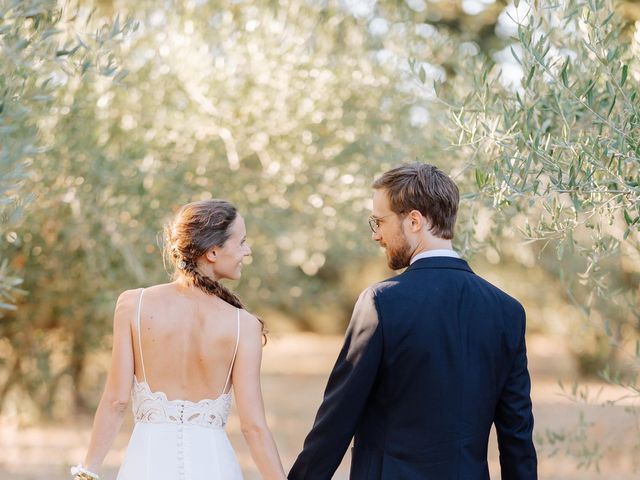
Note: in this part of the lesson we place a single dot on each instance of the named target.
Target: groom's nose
(375, 236)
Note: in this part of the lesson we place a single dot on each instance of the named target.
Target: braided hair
(196, 228)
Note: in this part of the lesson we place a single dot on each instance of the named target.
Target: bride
(178, 348)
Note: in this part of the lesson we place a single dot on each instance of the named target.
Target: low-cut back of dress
(179, 439)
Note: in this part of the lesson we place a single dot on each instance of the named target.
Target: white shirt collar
(439, 252)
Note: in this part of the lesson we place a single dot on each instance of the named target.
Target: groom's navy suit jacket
(432, 358)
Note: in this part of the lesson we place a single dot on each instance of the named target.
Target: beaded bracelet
(78, 472)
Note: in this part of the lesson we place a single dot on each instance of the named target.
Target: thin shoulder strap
(226, 384)
(139, 335)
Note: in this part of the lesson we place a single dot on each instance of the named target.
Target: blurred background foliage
(290, 109)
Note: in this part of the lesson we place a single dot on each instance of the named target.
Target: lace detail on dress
(155, 407)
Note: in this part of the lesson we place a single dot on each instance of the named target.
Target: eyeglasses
(374, 222)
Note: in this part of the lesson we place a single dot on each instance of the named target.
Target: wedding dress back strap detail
(144, 374)
(235, 352)
(154, 406)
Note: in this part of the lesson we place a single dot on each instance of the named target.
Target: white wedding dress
(179, 439)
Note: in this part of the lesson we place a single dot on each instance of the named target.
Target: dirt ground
(294, 374)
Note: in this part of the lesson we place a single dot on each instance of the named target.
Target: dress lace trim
(155, 407)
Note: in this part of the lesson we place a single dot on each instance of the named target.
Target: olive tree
(41, 51)
(553, 156)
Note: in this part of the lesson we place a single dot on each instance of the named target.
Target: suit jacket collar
(440, 262)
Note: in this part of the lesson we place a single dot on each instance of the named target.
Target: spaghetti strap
(224, 390)
(139, 335)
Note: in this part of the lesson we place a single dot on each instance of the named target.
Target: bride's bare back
(188, 341)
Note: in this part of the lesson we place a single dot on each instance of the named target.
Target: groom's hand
(345, 396)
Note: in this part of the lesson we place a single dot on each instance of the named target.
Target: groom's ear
(416, 221)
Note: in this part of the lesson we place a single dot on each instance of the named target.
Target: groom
(432, 357)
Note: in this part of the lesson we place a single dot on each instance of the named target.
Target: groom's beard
(399, 256)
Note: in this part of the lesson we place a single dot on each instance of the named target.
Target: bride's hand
(79, 472)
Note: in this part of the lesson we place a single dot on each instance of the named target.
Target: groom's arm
(514, 418)
(346, 394)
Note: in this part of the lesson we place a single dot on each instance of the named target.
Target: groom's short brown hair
(423, 187)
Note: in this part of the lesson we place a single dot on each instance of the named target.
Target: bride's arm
(248, 393)
(117, 390)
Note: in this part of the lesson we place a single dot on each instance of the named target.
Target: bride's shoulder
(126, 305)
(248, 317)
(132, 296)
(250, 322)
(127, 300)
(129, 296)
